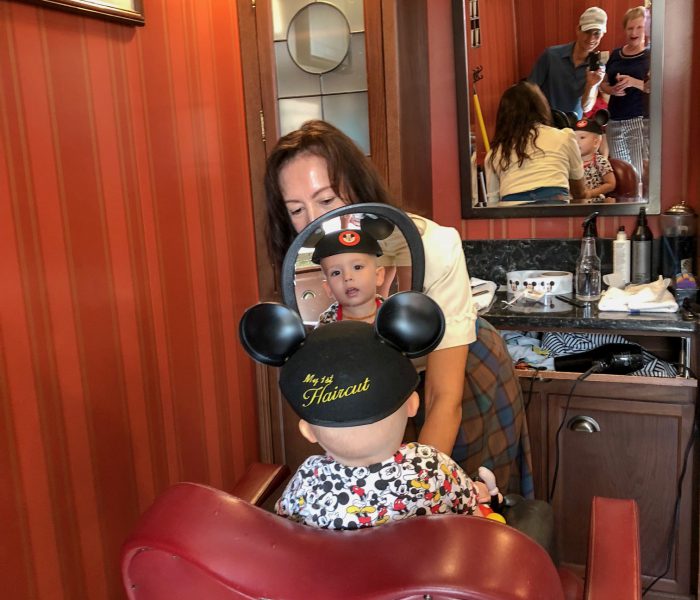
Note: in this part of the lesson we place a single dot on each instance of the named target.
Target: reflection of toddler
(598, 173)
(348, 259)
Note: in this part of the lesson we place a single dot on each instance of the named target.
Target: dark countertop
(559, 315)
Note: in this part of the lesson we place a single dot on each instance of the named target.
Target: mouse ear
(559, 119)
(572, 117)
(411, 322)
(601, 117)
(378, 227)
(314, 238)
(271, 332)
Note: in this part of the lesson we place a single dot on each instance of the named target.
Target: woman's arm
(446, 282)
(577, 187)
(444, 386)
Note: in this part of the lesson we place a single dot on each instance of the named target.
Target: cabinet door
(637, 453)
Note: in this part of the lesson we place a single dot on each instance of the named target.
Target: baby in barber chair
(597, 170)
(348, 259)
(353, 386)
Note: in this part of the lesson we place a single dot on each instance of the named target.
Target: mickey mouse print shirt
(417, 480)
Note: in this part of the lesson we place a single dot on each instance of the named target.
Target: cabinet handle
(584, 424)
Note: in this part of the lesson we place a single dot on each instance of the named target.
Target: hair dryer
(617, 358)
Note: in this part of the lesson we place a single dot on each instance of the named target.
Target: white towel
(645, 297)
(482, 300)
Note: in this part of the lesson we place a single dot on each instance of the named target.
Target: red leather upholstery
(613, 552)
(198, 542)
(259, 481)
(626, 178)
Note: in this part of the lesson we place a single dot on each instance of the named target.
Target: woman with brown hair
(318, 168)
(531, 162)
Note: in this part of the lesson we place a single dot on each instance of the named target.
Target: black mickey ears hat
(595, 124)
(561, 119)
(362, 241)
(347, 373)
(345, 376)
(343, 241)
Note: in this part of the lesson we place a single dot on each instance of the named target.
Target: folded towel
(482, 292)
(645, 297)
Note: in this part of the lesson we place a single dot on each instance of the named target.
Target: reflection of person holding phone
(627, 82)
(563, 72)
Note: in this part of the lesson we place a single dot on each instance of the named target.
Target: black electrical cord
(676, 508)
(535, 373)
(595, 368)
(684, 369)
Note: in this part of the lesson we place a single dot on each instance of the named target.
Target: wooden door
(637, 453)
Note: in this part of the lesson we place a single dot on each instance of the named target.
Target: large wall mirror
(502, 40)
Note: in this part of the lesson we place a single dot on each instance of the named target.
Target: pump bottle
(588, 264)
(621, 257)
(641, 250)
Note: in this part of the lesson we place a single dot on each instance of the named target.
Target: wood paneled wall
(126, 260)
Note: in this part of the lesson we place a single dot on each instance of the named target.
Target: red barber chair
(196, 542)
(626, 179)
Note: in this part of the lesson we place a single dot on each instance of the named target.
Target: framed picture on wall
(126, 11)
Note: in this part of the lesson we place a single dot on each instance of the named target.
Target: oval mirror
(318, 38)
(302, 288)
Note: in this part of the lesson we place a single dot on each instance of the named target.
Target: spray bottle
(588, 264)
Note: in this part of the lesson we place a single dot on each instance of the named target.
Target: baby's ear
(411, 322)
(271, 332)
(378, 227)
(307, 431)
(380, 276)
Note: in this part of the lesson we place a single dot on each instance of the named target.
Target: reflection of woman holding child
(627, 82)
(531, 162)
(318, 168)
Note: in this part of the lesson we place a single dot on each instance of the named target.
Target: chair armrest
(259, 482)
(613, 569)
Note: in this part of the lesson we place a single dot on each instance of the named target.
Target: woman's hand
(444, 388)
(624, 82)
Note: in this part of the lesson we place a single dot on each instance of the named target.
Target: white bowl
(547, 282)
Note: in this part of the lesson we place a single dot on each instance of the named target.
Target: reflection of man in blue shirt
(562, 71)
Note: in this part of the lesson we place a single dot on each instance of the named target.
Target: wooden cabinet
(621, 437)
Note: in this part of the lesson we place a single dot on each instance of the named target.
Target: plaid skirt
(494, 430)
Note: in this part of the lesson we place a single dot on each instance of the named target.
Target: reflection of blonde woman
(627, 82)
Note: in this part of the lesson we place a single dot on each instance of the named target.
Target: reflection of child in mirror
(348, 259)
(598, 172)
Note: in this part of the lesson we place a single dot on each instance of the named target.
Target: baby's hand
(482, 492)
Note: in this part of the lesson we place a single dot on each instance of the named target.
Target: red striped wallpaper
(127, 257)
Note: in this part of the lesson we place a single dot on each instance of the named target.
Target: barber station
(340, 300)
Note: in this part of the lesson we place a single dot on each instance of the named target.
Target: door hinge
(262, 126)
(252, 3)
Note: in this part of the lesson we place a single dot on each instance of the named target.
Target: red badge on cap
(582, 123)
(349, 238)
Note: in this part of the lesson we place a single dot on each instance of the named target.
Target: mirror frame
(399, 218)
(463, 96)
